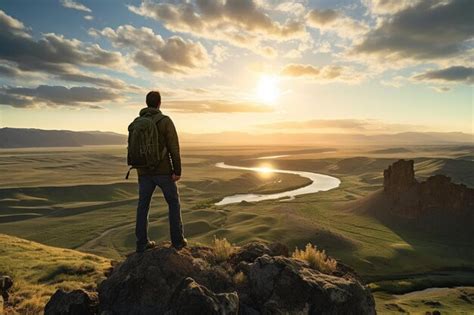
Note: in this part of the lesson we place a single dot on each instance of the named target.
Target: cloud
(429, 30)
(173, 55)
(53, 96)
(70, 4)
(291, 7)
(241, 23)
(334, 21)
(441, 89)
(53, 54)
(93, 79)
(388, 6)
(88, 17)
(215, 106)
(454, 74)
(324, 73)
(323, 17)
(9, 71)
(347, 125)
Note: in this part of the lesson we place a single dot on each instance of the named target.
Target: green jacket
(169, 138)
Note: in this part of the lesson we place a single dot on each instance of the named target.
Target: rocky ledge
(257, 278)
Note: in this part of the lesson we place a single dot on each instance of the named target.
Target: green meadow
(78, 199)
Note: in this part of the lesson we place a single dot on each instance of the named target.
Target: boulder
(191, 281)
(77, 302)
(6, 283)
(144, 283)
(285, 285)
(249, 252)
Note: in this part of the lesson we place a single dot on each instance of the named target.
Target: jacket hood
(149, 111)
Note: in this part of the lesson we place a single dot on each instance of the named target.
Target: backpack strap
(160, 118)
(128, 173)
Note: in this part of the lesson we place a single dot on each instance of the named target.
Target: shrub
(32, 306)
(222, 249)
(315, 258)
(240, 278)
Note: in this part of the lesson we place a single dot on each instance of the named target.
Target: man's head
(153, 99)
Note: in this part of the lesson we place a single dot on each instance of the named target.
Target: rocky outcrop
(258, 278)
(77, 302)
(435, 197)
(282, 285)
(399, 177)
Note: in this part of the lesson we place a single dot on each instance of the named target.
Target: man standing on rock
(153, 149)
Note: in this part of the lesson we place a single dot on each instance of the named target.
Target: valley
(77, 198)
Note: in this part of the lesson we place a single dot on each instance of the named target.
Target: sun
(267, 89)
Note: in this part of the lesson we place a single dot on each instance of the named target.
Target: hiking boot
(181, 245)
(149, 245)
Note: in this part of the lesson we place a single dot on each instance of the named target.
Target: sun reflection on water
(265, 170)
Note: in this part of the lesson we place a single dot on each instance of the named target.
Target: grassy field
(39, 270)
(79, 199)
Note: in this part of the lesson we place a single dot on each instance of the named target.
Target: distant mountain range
(398, 139)
(23, 138)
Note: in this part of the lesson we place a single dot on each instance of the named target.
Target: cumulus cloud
(215, 106)
(348, 125)
(429, 30)
(331, 20)
(70, 4)
(53, 54)
(324, 73)
(173, 55)
(240, 22)
(454, 74)
(55, 96)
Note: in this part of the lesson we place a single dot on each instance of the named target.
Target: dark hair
(153, 99)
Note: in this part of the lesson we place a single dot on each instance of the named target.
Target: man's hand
(175, 177)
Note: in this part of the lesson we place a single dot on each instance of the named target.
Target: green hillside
(39, 270)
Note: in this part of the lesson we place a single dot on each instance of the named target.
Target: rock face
(258, 278)
(76, 302)
(435, 197)
(192, 298)
(399, 177)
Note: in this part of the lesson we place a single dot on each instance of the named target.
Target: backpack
(143, 149)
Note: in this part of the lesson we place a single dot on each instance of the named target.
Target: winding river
(319, 182)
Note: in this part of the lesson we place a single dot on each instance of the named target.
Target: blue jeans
(146, 186)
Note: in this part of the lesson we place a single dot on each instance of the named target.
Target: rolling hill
(39, 270)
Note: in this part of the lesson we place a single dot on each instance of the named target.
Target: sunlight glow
(267, 89)
(265, 170)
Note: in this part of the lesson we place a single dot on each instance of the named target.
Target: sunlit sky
(257, 66)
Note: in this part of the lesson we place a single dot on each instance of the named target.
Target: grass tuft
(315, 258)
(240, 278)
(222, 249)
